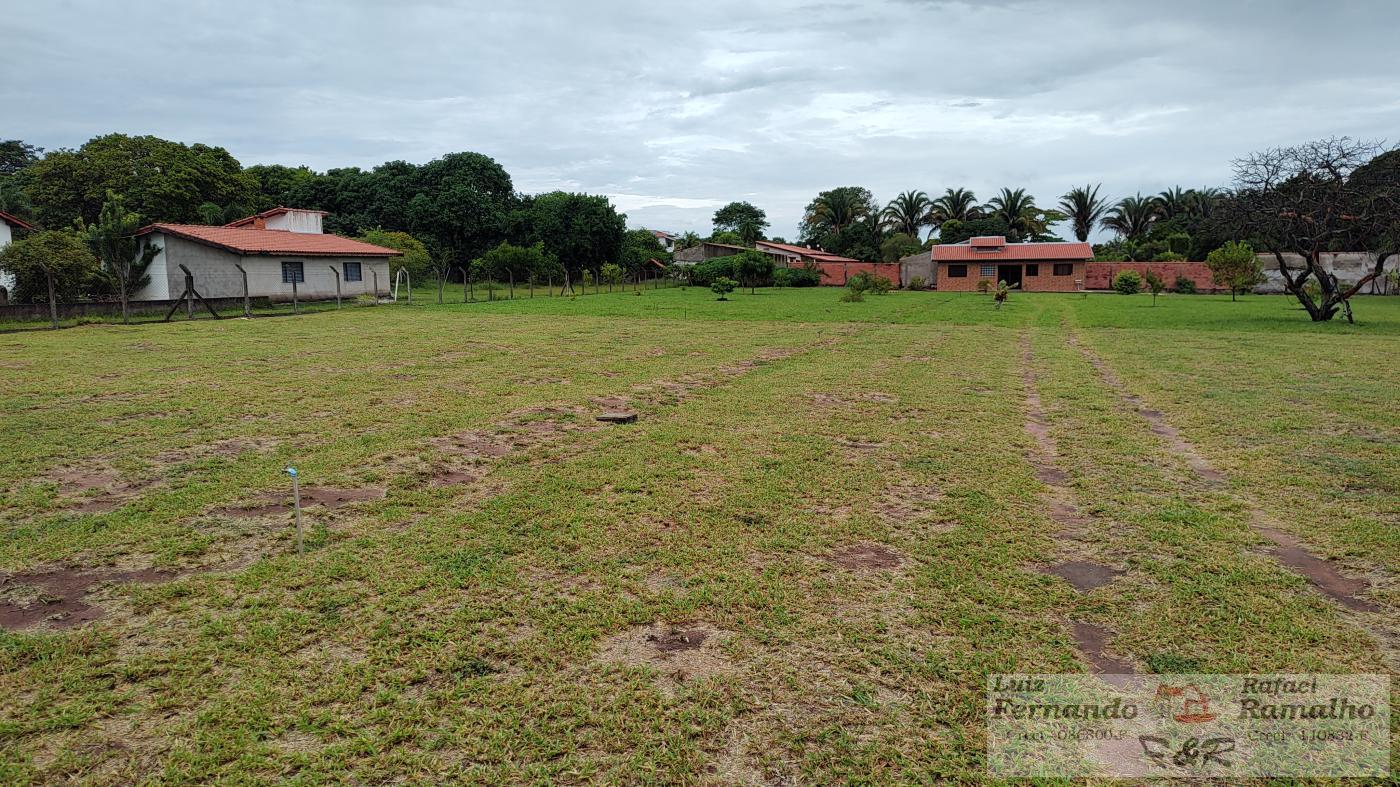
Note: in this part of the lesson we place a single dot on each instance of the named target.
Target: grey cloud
(674, 108)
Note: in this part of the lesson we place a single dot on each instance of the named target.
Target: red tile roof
(987, 249)
(816, 254)
(277, 211)
(15, 220)
(241, 240)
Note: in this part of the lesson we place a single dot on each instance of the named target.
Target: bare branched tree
(1306, 200)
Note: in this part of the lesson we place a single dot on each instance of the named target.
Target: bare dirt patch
(867, 556)
(1093, 642)
(57, 597)
(76, 484)
(230, 448)
(1319, 572)
(678, 652)
(904, 503)
(272, 503)
(1084, 575)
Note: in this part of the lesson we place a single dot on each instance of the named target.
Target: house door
(1011, 274)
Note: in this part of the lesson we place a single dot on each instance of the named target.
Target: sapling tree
(1155, 284)
(722, 286)
(122, 255)
(1236, 266)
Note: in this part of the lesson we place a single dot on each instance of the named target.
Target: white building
(8, 224)
(275, 248)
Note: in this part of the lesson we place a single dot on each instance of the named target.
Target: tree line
(446, 215)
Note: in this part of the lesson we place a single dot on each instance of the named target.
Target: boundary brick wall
(834, 273)
(1099, 275)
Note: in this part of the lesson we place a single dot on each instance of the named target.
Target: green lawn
(825, 530)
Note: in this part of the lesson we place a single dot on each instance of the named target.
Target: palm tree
(1085, 209)
(836, 210)
(954, 205)
(1202, 201)
(1017, 209)
(1173, 202)
(1133, 216)
(750, 229)
(908, 213)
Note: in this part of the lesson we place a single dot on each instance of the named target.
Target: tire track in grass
(1288, 551)
(1092, 640)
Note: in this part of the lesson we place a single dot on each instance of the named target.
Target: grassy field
(830, 523)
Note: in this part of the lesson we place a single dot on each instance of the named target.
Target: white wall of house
(307, 221)
(6, 280)
(215, 274)
(158, 289)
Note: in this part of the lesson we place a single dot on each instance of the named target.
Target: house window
(1064, 269)
(352, 271)
(292, 272)
(957, 271)
(1032, 269)
(989, 270)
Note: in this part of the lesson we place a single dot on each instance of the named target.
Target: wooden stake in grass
(296, 505)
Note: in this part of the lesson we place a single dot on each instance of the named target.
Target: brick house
(834, 268)
(1036, 267)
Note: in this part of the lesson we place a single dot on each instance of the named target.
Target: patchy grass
(823, 533)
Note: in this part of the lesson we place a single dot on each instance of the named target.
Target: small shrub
(853, 296)
(722, 286)
(918, 283)
(984, 286)
(1128, 282)
(1002, 293)
(782, 277)
(880, 285)
(1184, 285)
(804, 277)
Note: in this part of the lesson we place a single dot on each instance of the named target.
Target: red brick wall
(1100, 274)
(1044, 281)
(835, 273)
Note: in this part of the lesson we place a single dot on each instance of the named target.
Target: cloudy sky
(673, 109)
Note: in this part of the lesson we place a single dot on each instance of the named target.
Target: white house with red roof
(1034, 267)
(275, 248)
(8, 225)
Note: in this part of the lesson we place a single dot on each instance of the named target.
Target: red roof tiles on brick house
(248, 221)
(242, 240)
(815, 254)
(988, 249)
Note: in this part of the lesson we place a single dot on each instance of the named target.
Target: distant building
(1035, 267)
(667, 240)
(275, 248)
(8, 224)
(707, 250)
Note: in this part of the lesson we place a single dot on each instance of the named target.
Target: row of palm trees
(1082, 206)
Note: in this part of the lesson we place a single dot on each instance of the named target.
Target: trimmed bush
(1128, 282)
(1184, 285)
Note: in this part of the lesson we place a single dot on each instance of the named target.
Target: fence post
(466, 282)
(296, 307)
(375, 274)
(511, 273)
(53, 301)
(247, 307)
(337, 285)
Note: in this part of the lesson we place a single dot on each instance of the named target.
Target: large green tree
(461, 206)
(415, 259)
(744, 218)
(843, 220)
(49, 266)
(639, 247)
(582, 231)
(1132, 218)
(160, 180)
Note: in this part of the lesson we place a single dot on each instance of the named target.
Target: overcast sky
(673, 109)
